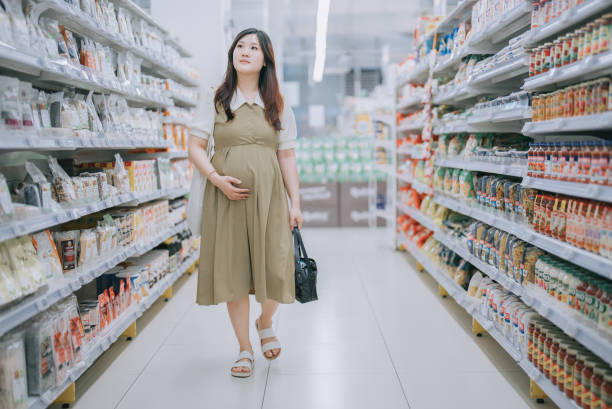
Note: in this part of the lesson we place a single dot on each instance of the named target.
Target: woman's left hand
(295, 218)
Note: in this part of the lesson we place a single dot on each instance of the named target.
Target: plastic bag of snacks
(63, 187)
(39, 352)
(10, 108)
(24, 262)
(6, 204)
(67, 245)
(13, 382)
(47, 254)
(10, 289)
(121, 178)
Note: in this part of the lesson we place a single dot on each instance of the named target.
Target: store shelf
(458, 95)
(80, 77)
(112, 334)
(33, 224)
(573, 324)
(419, 151)
(139, 12)
(547, 386)
(498, 32)
(509, 71)
(583, 258)
(586, 11)
(593, 66)
(461, 297)
(470, 163)
(417, 215)
(587, 123)
(60, 288)
(387, 169)
(484, 267)
(448, 64)
(584, 190)
(411, 105)
(455, 126)
(25, 140)
(404, 178)
(508, 120)
(422, 187)
(460, 12)
(418, 75)
(184, 102)
(74, 19)
(411, 126)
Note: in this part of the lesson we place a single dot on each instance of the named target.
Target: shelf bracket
(167, 294)
(68, 396)
(535, 392)
(442, 291)
(191, 269)
(477, 328)
(130, 332)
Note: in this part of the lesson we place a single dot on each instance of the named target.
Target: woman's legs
(239, 315)
(268, 309)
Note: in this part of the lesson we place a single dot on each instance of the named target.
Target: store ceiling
(358, 30)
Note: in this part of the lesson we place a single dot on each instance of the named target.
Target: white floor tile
(334, 391)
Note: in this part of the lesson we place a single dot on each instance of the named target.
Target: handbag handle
(298, 243)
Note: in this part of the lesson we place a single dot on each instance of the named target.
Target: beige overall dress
(246, 244)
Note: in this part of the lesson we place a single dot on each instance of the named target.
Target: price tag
(64, 291)
(42, 304)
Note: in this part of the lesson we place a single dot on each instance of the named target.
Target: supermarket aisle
(379, 337)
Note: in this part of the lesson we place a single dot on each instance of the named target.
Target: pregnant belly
(252, 164)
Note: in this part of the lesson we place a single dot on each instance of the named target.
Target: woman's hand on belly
(226, 185)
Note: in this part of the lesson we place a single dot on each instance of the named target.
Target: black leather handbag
(305, 271)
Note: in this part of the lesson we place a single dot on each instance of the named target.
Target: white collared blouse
(204, 124)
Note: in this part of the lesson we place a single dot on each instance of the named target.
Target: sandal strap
(268, 346)
(266, 333)
(245, 355)
(243, 364)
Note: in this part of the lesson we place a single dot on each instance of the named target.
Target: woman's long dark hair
(268, 83)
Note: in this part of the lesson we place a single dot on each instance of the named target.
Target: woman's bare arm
(288, 166)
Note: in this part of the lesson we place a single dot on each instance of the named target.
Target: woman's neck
(249, 86)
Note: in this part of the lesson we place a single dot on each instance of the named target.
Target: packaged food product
(466, 184)
(6, 204)
(62, 350)
(39, 352)
(67, 246)
(10, 107)
(121, 179)
(24, 262)
(47, 254)
(63, 187)
(13, 382)
(10, 289)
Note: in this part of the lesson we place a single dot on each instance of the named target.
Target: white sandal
(268, 346)
(244, 364)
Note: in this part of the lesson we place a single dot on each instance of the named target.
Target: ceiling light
(321, 40)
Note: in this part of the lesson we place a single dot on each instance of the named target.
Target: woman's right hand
(226, 185)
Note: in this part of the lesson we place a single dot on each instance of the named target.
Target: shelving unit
(481, 166)
(52, 76)
(502, 79)
(113, 333)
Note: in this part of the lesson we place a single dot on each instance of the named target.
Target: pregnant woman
(246, 221)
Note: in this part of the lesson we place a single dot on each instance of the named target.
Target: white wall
(199, 26)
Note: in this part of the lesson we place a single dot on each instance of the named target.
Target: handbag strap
(299, 247)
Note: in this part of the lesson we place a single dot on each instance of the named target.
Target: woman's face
(248, 56)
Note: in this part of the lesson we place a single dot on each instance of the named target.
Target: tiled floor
(379, 337)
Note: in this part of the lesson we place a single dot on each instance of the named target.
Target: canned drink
(588, 40)
(595, 37)
(576, 41)
(569, 103)
(567, 49)
(604, 33)
(582, 97)
(535, 107)
(590, 98)
(604, 92)
(557, 52)
(537, 60)
(546, 57)
(577, 100)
